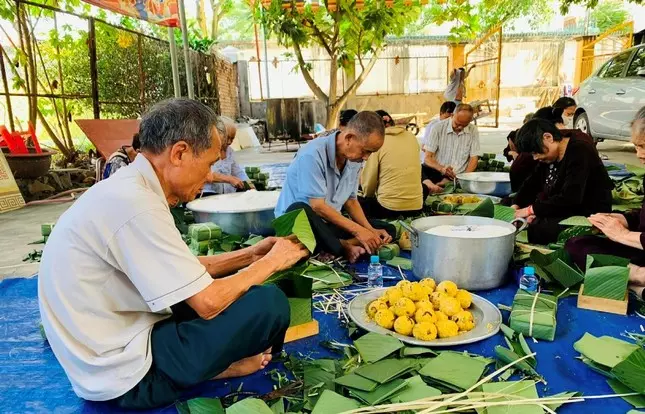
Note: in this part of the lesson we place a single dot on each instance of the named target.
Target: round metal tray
(487, 321)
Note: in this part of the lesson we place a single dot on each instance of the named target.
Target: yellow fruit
(429, 284)
(435, 298)
(464, 320)
(426, 314)
(450, 306)
(424, 304)
(403, 283)
(447, 287)
(447, 328)
(393, 294)
(403, 325)
(375, 306)
(440, 316)
(465, 298)
(384, 318)
(404, 307)
(414, 291)
(425, 331)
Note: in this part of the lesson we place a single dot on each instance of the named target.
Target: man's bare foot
(352, 252)
(638, 290)
(247, 366)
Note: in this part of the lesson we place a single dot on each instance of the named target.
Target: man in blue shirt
(323, 180)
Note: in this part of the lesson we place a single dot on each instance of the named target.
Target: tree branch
(321, 37)
(308, 78)
(359, 80)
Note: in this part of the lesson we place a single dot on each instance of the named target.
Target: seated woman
(569, 180)
(568, 106)
(121, 157)
(625, 232)
(226, 175)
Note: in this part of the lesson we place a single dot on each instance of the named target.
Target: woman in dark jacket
(569, 180)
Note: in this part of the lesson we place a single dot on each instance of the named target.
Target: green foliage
(608, 14)
(591, 4)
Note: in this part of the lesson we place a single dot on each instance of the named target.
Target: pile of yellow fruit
(424, 309)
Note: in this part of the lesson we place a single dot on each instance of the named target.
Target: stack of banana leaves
(628, 194)
(487, 162)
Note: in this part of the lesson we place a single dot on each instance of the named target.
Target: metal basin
(472, 263)
(492, 183)
(253, 220)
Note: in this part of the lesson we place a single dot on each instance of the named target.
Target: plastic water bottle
(529, 281)
(375, 273)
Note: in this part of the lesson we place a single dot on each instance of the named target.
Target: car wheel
(582, 123)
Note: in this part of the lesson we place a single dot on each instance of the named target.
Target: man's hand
(449, 173)
(611, 227)
(251, 185)
(369, 239)
(523, 213)
(383, 235)
(515, 207)
(513, 154)
(286, 252)
(235, 182)
(261, 248)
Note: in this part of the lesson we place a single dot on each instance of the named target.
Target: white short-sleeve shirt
(110, 270)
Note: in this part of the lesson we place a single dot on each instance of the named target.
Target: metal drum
(493, 183)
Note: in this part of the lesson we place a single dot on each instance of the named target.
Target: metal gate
(595, 53)
(483, 83)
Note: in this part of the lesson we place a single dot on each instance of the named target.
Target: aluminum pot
(472, 263)
(492, 183)
(240, 223)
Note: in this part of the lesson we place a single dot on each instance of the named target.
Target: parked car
(609, 99)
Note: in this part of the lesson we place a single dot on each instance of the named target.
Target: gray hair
(638, 125)
(366, 123)
(178, 119)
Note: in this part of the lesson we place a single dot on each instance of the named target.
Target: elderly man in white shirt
(115, 265)
(453, 148)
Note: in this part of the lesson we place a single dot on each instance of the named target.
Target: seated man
(115, 264)
(570, 180)
(625, 232)
(453, 148)
(323, 179)
(121, 157)
(390, 177)
(445, 112)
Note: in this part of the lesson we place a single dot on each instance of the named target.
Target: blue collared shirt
(314, 174)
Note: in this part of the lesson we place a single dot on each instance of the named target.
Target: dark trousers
(187, 350)
(545, 230)
(429, 173)
(579, 247)
(328, 236)
(373, 208)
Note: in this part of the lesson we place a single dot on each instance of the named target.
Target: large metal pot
(253, 220)
(491, 183)
(472, 263)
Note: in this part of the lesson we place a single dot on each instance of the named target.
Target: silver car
(609, 99)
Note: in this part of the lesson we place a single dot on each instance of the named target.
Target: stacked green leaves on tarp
(622, 362)
(534, 314)
(202, 235)
(606, 277)
(509, 391)
(402, 262)
(325, 277)
(454, 370)
(628, 194)
(517, 348)
(556, 267)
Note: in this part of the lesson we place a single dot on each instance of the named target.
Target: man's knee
(299, 205)
(271, 303)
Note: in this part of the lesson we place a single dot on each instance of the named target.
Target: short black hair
(551, 114)
(136, 144)
(382, 113)
(447, 107)
(564, 102)
(346, 116)
(511, 136)
(530, 138)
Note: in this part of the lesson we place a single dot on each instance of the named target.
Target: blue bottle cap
(529, 270)
(375, 259)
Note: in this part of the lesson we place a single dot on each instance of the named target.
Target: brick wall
(227, 86)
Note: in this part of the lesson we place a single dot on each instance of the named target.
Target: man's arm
(472, 164)
(328, 213)
(227, 263)
(355, 211)
(431, 161)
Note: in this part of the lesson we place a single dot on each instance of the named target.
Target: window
(638, 63)
(615, 67)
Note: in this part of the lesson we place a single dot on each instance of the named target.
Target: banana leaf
(389, 251)
(456, 369)
(519, 389)
(416, 351)
(558, 266)
(534, 315)
(600, 260)
(576, 221)
(507, 356)
(381, 393)
(637, 401)
(504, 213)
(332, 403)
(485, 208)
(608, 282)
(374, 347)
(249, 406)
(416, 389)
(357, 382)
(324, 277)
(199, 248)
(296, 222)
(631, 371)
(636, 170)
(605, 350)
(300, 310)
(567, 395)
(319, 371)
(200, 406)
(253, 240)
(402, 262)
(575, 231)
(46, 229)
(204, 231)
(386, 370)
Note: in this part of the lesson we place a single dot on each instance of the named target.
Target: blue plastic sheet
(32, 381)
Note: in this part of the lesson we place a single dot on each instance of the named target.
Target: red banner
(161, 12)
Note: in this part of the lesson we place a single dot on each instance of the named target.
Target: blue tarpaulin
(32, 381)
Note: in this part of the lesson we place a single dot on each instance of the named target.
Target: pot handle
(414, 235)
(523, 227)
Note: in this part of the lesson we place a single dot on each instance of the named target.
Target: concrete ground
(21, 227)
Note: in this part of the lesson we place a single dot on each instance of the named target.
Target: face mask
(568, 122)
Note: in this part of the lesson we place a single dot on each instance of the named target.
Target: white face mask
(568, 121)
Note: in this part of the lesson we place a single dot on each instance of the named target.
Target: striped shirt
(452, 149)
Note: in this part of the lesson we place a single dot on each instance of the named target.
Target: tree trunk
(333, 111)
(201, 18)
